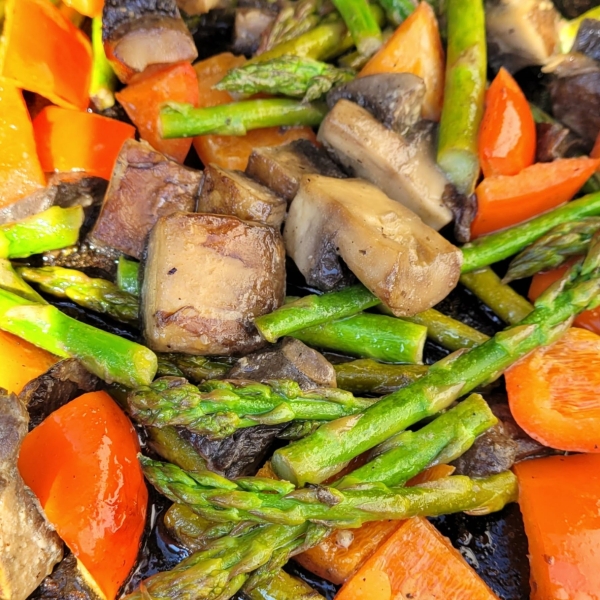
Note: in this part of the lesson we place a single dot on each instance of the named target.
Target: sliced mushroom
(199, 7)
(405, 169)
(226, 192)
(588, 39)
(206, 278)
(250, 24)
(404, 262)
(395, 99)
(140, 33)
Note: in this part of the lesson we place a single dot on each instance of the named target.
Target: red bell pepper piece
(143, 98)
(45, 53)
(504, 200)
(89, 8)
(81, 463)
(69, 140)
(507, 135)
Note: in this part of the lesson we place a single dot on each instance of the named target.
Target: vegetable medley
(286, 286)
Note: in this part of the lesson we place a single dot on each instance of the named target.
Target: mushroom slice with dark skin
(251, 22)
(206, 278)
(404, 168)
(29, 546)
(226, 192)
(395, 99)
(140, 33)
(405, 263)
(588, 39)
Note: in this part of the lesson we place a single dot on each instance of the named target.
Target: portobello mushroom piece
(588, 39)
(521, 33)
(405, 169)
(405, 263)
(206, 278)
(555, 141)
(289, 359)
(574, 8)
(199, 7)
(227, 192)
(250, 24)
(394, 99)
(281, 168)
(140, 33)
(29, 546)
(145, 186)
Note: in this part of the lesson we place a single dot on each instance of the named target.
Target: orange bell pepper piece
(226, 151)
(44, 52)
(558, 497)
(69, 140)
(415, 47)
(143, 98)
(507, 136)
(20, 170)
(89, 8)
(415, 562)
(503, 200)
(90, 485)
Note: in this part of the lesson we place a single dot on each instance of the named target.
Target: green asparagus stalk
(495, 247)
(282, 586)
(128, 272)
(168, 443)
(361, 24)
(366, 376)
(237, 118)
(500, 297)
(194, 368)
(553, 249)
(466, 75)
(369, 336)
(11, 281)
(109, 356)
(397, 10)
(218, 408)
(324, 453)
(96, 294)
(104, 80)
(52, 229)
(287, 76)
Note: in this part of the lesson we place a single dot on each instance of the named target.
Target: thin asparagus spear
(324, 453)
(194, 368)
(96, 294)
(11, 281)
(366, 376)
(495, 247)
(218, 408)
(551, 250)
(288, 76)
(109, 356)
(466, 75)
(237, 118)
(52, 229)
(369, 336)
(361, 24)
(128, 272)
(104, 80)
(500, 297)
(397, 10)
(282, 586)
(167, 442)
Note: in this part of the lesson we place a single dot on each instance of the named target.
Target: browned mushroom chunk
(404, 262)
(206, 278)
(198, 7)
(250, 24)
(29, 546)
(280, 168)
(145, 185)
(404, 168)
(140, 33)
(226, 192)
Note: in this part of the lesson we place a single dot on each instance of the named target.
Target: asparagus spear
(52, 229)
(167, 442)
(194, 368)
(96, 294)
(128, 272)
(369, 336)
(361, 24)
(104, 80)
(11, 281)
(551, 250)
(109, 356)
(218, 408)
(500, 297)
(324, 453)
(288, 76)
(282, 586)
(397, 10)
(366, 376)
(237, 118)
(495, 247)
(466, 73)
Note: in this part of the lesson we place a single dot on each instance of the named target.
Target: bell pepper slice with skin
(90, 485)
(70, 140)
(232, 152)
(416, 561)
(415, 47)
(20, 169)
(558, 497)
(553, 392)
(143, 98)
(503, 201)
(89, 8)
(43, 52)
(507, 137)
